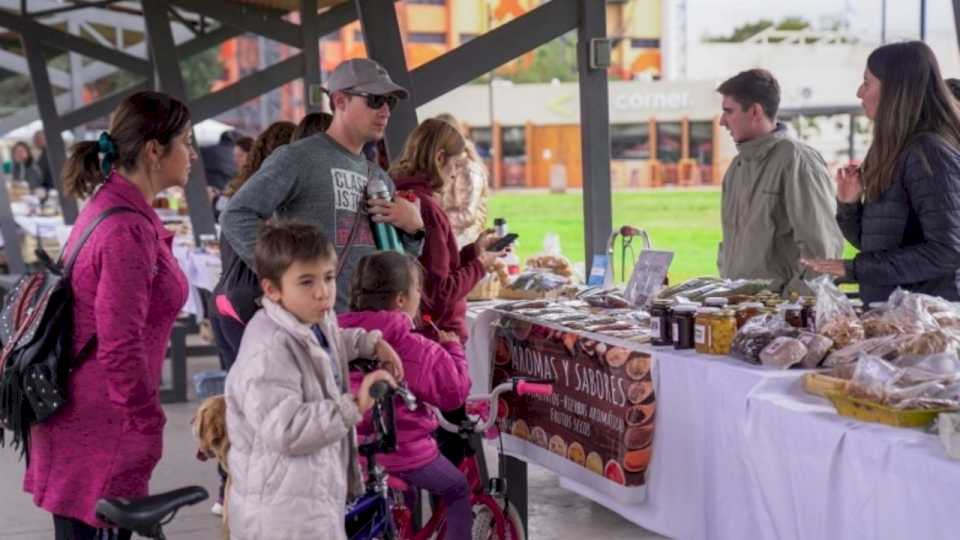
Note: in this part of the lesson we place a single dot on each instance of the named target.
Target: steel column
(309, 28)
(43, 95)
(381, 35)
(594, 133)
(170, 80)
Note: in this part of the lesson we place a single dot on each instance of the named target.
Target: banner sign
(601, 415)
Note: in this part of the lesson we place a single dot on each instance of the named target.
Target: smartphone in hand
(502, 243)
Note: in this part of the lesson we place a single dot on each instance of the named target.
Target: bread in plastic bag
(871, 378)
(783, 353)
(886, 347)
(759, 331)
(817, 349)
(836, 318)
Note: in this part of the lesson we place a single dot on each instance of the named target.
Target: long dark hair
(914, 99)
(142, 117)
(25, 146)
(275, 136)
(380, 278)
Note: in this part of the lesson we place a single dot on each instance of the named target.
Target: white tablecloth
(202, 270)
(742, 452)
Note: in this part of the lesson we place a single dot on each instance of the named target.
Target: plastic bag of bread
(836, 318)
(754, 337)
(884, 347)
(551, 259)
(783, 353)
(872, 378)
(927, 343)
(817, 349)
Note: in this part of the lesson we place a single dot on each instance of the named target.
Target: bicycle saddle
(144, 516)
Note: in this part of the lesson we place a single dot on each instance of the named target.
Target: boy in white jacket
(290, 415)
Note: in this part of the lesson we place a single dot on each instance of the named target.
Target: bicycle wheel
(485, 526)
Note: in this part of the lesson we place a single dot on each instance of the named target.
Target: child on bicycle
(385, 296)
(290, 413)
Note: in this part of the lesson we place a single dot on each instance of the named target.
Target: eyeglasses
(375, 101)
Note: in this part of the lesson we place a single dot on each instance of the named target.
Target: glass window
(423, 37)
(630, 141)
(701, 142)
(513, 141)
(482, 140)
(669, 141)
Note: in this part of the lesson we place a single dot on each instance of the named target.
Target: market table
(740, 451)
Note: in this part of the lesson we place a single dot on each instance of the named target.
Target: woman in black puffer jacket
(901, 208)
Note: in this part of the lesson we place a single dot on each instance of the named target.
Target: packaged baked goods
(885, 347)
(557, 264)
(783, 353)
(757, 334)
(836, 317)
(927, 343)
(817, 348)
(871, 378)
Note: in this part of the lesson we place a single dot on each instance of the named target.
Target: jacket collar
(124, 189)
(418, 182)
(757, 149)
(291, 324)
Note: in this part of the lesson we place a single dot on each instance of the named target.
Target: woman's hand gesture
(849, 184)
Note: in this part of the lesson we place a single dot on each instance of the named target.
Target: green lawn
(686, 222)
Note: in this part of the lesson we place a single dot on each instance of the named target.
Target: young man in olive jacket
(778, 202)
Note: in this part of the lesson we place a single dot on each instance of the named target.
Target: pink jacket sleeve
(444, 379)
(127, 259)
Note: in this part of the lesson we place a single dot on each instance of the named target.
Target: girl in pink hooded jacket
(386, 296)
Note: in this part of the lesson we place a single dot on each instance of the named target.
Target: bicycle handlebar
(522, 386)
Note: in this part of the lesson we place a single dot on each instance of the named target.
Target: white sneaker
(217, 509)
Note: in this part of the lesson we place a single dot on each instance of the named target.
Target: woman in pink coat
(128, 290)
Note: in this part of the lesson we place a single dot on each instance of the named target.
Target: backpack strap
(89, 230)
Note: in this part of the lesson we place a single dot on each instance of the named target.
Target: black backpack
(35, 331)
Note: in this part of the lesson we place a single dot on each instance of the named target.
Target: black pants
(452, 445)
(227, 332)
(71, 529)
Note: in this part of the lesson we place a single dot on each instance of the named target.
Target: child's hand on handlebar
(447, 337)
(364, 400)
(389, 359)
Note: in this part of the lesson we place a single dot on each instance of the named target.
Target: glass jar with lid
(683, 326)
(747, 311)
(723, 326)
(716, 302)
(701, 329)
(792, 313)
(661, 328)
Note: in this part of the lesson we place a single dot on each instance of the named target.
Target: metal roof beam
(493, 49)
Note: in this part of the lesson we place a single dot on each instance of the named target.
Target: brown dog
(210, 428)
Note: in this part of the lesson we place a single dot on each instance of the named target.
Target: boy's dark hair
(754, 86)
(279, 245)
(954, 86)
(380, 278)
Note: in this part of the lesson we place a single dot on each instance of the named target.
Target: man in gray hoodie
(778, 201)
(322, 179)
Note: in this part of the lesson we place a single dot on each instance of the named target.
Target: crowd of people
(305, 289)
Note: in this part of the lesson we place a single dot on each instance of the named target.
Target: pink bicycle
(381, 512)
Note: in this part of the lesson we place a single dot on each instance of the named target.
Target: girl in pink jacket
(386, 296)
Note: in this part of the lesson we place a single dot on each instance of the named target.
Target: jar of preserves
(809, 314)
(792, 314)
(747, 311)
(661, 329)
(723, 326)
(701, 329)
(683, 326)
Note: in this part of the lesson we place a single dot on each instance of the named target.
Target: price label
(700, 333)
(655, 327)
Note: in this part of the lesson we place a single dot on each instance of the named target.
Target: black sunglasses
(375, 101)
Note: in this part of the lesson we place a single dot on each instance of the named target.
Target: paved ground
(555, 513)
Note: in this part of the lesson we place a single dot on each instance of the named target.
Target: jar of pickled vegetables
(723, 326)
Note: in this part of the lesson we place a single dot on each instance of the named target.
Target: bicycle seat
(144, 516)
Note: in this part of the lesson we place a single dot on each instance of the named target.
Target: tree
(747, 30)
(554, 60)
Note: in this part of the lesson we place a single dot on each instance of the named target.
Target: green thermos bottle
(384, 234)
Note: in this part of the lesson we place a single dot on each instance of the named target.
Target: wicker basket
(870, 411)
(486, 289)
(819, 384)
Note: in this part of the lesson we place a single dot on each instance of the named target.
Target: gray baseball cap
(364, 75)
